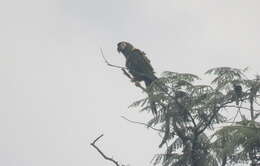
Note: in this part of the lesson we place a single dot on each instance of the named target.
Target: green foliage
(186, 110)
(180, 76)
(226, 75)
(236, 142)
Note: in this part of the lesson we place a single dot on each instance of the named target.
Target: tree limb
(101, 153)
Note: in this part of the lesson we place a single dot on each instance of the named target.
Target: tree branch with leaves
(186, 111)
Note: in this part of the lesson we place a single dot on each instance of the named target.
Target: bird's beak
(118, 50)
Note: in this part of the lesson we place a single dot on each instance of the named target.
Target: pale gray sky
(57, 94)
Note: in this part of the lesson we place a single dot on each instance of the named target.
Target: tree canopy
(188, 111)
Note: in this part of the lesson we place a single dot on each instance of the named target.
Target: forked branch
(101, 153)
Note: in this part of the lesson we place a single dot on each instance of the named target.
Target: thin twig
(107, 62)
(141, 123)
(101, 153)
(234, 106)
(97, 138)
(235, 117)
(127, 74)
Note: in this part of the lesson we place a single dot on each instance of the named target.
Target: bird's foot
(137, 83)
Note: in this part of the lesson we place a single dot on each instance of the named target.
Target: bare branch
(141, 123)
(97, 138)
(109, 64)
(235, 117)
(235, 106)
(101, 153)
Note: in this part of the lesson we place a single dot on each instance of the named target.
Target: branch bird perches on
(124, 69)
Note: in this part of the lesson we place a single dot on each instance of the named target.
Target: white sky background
(57, 94)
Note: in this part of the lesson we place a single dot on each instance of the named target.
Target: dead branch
(141, 123)
(107, 62)
(101, 153)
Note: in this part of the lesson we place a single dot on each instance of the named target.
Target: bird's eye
(123, 45)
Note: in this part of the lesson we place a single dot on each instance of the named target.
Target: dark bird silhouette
(138, 65)
(238, 92)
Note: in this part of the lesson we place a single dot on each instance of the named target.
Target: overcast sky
(57, 94)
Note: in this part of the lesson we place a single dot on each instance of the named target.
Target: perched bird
(238, 92)
(139, 66)
(137, 63)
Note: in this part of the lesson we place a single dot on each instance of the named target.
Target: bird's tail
(152, 104)
(148, 83)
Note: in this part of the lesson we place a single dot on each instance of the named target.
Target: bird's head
(124, 47)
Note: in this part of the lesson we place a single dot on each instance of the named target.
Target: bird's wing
(141, 62)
